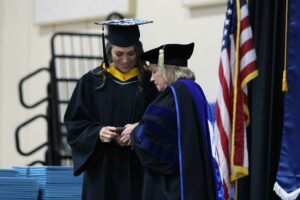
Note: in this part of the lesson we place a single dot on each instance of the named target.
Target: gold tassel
(284, 82)
(161, 59)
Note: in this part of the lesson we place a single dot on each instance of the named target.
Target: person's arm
(149, 157)
(155, 138)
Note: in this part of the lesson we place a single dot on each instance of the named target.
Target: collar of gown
(120, 75)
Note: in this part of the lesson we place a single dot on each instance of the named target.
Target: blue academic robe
(173, 145)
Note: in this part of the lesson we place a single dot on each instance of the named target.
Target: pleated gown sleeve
(83, 129)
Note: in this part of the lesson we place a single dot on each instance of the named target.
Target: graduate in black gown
(105, 104)
(173, 140)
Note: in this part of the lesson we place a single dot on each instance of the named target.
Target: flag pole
(237, 53)
(284, 81)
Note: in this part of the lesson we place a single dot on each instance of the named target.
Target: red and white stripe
(224, 104)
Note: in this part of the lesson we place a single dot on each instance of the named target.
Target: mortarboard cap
(123, 36)
(170, 54)
(122, 32)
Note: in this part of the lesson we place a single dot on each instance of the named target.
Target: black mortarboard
(122, 32)
(170, 54)
(123, 36)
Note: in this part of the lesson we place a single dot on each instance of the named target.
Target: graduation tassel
(104, 49)
(161, 60)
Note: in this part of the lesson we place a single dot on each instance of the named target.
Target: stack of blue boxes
(39, 182)
(14, 186)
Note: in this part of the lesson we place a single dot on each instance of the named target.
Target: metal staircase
(73, 54)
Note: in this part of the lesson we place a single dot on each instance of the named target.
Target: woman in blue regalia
(173, 141)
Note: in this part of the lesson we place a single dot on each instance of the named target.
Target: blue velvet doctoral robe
(173, 145)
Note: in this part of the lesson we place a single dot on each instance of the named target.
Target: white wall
(24, 50)
(1, 73)
(25, 47)
(176, 24)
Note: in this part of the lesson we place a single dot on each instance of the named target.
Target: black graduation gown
(111, 172)
(156, 142)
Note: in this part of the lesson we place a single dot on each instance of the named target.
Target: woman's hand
(107, 134)
(124, 138)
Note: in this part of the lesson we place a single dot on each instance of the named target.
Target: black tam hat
(170, 54)
(122, 32)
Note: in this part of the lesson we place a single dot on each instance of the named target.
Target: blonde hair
(172, 73)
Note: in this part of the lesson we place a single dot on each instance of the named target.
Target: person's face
(123, 58)
(159, 81)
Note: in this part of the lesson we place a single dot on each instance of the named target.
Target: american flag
(237, 67)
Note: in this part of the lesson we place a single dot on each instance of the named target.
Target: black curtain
(266, 99)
